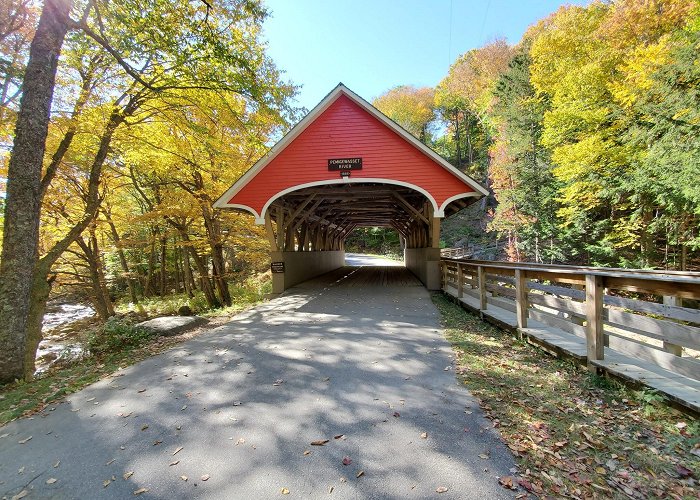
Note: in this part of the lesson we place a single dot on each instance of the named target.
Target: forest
(587, 133)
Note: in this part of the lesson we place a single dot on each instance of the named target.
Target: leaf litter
(572, 434)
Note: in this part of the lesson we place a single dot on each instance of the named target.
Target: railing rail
(647, 314)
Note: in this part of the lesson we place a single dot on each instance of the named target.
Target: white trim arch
(358, 180)
(449, 200)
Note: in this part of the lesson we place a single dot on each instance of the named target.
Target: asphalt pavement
(328, 391)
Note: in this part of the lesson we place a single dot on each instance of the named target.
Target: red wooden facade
(345, 126)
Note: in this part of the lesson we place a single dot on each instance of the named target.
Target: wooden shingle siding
(346, 130)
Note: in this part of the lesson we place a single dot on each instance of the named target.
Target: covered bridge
(346, 165)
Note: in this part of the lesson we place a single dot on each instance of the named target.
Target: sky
(374, 45)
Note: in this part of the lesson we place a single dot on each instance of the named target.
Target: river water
(60, 342)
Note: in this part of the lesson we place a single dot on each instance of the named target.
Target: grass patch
(573, 434)
(111, 347)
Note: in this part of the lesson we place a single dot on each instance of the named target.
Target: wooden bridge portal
(346, 165)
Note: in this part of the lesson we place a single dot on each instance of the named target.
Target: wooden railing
(454, 253)
(645, 314)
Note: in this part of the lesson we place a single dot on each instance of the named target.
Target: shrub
(117, 335)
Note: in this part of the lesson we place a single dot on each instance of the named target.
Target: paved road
(243, 403)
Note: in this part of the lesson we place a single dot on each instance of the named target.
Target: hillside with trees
(586, 131)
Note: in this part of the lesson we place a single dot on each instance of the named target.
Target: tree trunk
(187, 272)
(100, 295)
(40, 295)
(148, 286)
(207, 288)
(176, 265)
(122, 261)
(163, 268)
(23, 201)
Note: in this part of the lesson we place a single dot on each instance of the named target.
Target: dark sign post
(277, 267)
(344, 165)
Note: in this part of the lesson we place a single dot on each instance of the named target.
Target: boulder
(167, 326)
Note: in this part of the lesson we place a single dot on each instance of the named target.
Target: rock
(167, 326)
(185, 311)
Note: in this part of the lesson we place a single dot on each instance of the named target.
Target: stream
(61, 341)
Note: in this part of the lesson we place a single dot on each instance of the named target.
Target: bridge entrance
(346, 165)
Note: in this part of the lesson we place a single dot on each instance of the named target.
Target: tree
(23, 203)
(157, 52)
(412, 108)
(463, 98)
(521, 173)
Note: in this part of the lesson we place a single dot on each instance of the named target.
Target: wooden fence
(640, 324)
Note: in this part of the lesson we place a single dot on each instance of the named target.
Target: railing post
(674, 349)
(460, 281)
(594, 319)
(443, 265)
(481, 276)
(521, 298)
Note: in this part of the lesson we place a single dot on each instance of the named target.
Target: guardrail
(634, 317)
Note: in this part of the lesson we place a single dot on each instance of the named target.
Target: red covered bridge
(346, 165)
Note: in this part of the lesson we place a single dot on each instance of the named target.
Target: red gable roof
(345, 126)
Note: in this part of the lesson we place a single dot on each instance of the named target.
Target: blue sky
(373, 45)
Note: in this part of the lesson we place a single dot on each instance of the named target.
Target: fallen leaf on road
(240, 441)
(51, 480)
(55, 466)
(174, 463)
(140, 390)
(484, 456)
(319, 442)
(184, 478)
(360, 473)
(140, 491)
(424, 435)
(22, 441)
(347, 460)
(330, 490)
(396, 414)
(157, 442)
(339, 436)
(284, 491)
(441, 489)
(106, 482)
(507, 482)
(205, 477)
(178, 450)
(307, 452)
(20, 470)
(21, 494)
(127, 475)
(144, 427)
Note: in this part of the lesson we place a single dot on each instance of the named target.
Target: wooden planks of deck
(683, 391)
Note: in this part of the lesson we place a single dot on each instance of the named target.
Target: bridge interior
(307, 228)
(320, 218)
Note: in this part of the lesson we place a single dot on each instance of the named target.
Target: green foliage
(117, 335)
(374, 240)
